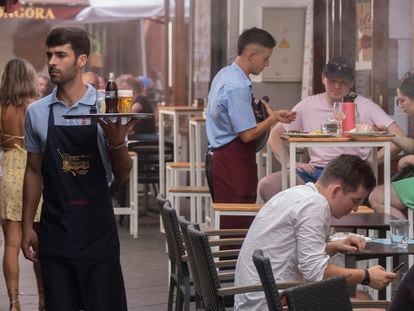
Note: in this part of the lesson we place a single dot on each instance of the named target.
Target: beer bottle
(111, 95)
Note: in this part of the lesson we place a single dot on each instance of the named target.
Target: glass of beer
(124, 101)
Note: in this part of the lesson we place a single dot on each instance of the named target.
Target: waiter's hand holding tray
(128, 115)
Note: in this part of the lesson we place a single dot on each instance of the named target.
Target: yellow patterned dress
(13, 163)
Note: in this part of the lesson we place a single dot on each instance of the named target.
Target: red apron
(234, 173)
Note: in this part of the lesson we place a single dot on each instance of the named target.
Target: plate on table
(109, 115)
(371, 134)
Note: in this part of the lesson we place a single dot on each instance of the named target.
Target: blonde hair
(18, 83)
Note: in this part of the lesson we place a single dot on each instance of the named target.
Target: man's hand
(285, 116)
(379, 277)
(351, 244)
(116, 131)
(305, 167)
(30, 245)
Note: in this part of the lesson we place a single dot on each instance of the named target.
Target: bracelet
(117, 147)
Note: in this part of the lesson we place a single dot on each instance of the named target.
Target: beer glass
(124, 101)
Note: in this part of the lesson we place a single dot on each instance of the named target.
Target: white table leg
(292, 164)
(161, 147)
(387, 178)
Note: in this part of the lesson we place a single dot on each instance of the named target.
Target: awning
(102, 11)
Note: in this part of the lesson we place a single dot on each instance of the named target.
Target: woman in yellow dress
(18, 89)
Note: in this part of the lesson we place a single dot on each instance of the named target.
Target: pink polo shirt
(315, 110)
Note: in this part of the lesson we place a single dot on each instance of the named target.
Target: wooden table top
(255, 207)
(200, 119)
(238, 207)
(375, 221)
(379, 249)
(335, 139)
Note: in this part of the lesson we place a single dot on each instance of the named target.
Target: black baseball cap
(340, 67)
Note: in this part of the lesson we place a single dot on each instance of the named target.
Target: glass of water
(399, 233)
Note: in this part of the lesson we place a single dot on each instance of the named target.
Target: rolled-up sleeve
(312, 225)
(31, 142)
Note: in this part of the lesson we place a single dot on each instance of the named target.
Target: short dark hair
(407, 84)
(351, 170)
(77, 37)
(255, 36)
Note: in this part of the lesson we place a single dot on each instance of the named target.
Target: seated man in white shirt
(294, 237)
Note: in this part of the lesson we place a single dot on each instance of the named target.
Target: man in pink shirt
(338, 79)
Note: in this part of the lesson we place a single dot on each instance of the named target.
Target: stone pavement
(144, 264)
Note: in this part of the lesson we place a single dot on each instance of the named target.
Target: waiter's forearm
(32, 191)
(121, 163)
(259, 129)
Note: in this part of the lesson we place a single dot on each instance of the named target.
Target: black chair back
(327, 295)
(206, 270)
(184, 223)
(180, 274)
(265, 272)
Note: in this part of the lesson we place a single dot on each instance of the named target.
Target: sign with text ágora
(42, 12)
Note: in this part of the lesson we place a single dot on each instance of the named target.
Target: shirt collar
(245, 77)
(87, 99)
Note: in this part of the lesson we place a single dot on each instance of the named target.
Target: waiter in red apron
(231, 124)
(72, 161)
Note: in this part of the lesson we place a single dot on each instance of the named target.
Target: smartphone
(398, 267)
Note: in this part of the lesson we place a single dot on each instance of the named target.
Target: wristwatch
(366, 279)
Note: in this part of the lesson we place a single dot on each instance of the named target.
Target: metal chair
(213, 293)
(328, 295)
(179, 270)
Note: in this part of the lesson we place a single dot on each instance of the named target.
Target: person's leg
(12, 238)
(376, 201)
(271, 184)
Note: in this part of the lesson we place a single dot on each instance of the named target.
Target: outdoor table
(175, 112)
(381, 252)
(290, 144)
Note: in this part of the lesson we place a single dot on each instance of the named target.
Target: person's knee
(376, 200)
(268, 187)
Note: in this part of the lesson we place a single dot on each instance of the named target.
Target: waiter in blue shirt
(231, 123)
(71, 163)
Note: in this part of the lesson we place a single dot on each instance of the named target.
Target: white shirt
(291, 229)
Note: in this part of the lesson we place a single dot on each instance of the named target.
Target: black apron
(78, 238)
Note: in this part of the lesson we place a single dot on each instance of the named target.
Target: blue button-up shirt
(229, 110)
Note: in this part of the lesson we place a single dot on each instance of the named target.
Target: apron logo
(76, 165)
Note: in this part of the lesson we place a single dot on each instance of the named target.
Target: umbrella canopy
(102, 11)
